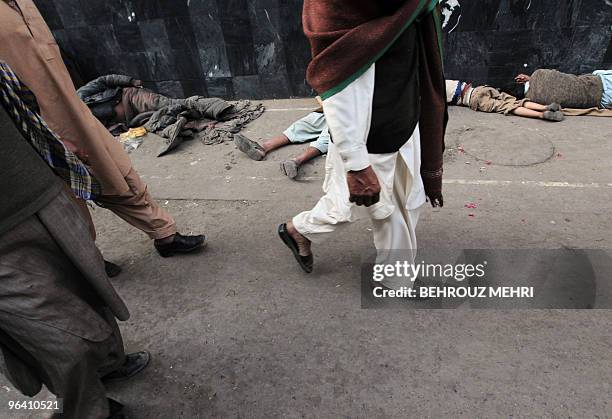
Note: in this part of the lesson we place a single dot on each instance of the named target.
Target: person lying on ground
(28, 47)
(489, 99)
(120, 102)
(312, 127)
(117, 99)
(587, 91)
(58, 309)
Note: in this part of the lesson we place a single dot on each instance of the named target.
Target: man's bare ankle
(301, 240)
(292, 230)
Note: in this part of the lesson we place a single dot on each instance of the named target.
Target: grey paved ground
(239, 331)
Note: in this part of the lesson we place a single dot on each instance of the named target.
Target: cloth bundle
(211, 120)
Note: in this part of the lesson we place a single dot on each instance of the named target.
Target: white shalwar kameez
(402, 196)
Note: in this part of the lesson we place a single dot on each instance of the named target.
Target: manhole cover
(507, 145)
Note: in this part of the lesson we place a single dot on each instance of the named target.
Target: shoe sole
(289, 168)
(248, 147)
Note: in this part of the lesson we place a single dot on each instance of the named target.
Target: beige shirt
(28, 47)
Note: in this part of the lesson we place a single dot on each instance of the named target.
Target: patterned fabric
(21, 105)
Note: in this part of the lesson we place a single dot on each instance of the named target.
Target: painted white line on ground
(290, 109)
(471, 182)
(542, 184)
(474, 182)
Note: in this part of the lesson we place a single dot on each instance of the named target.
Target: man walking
(378, 68)
(27, 45)
(57, 306)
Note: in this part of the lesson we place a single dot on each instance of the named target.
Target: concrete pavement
(240, 331)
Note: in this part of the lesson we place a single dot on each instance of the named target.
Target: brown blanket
(348, 36)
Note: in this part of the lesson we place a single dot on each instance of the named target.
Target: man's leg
(67, 364)
(38, 63)
(546, 115)
(304, 130)
(258, 152)
(506, 104)
(139, 209)
(527, 113)
(394, 217)
(535, 106)
(334, 211)
(51, 313)
(290, 167)
(395, 236)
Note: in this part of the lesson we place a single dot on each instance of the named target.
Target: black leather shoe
(112, 270)
(181, 244)
(134, 363)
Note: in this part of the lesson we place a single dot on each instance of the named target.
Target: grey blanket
(568, 90)
(211, 120)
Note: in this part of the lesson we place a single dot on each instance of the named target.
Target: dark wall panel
(256, 49)
(494, 40)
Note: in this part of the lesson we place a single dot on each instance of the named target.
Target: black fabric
(396, 106)
(27, 184)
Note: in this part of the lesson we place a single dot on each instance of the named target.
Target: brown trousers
(489, 99)
(28, 46)
(136, 101)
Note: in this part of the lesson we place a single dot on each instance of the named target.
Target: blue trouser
(312, 127)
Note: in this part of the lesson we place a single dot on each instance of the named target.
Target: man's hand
(138, 83)
(436, 200)
(363, 186)
(522, 78)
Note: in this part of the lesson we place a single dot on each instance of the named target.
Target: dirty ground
(240, 331)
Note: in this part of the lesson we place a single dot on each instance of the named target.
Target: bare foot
(302, 242)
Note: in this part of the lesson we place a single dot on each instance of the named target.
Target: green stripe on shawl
(430, 7)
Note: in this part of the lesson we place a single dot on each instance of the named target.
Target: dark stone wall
(256, 49)
(496, 39)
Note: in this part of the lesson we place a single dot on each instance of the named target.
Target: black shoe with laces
(180, 245)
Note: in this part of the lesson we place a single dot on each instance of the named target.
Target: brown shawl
(348, 36)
